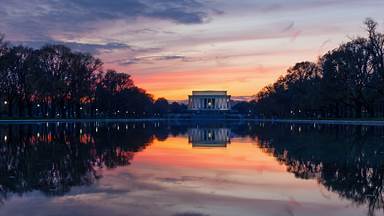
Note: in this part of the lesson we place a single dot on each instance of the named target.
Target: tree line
(346, 82)
(56, 82)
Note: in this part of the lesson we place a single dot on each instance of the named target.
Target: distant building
(209, 101)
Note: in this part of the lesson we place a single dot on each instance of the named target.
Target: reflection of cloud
(181, 179)
(190, 214)
(214, 187)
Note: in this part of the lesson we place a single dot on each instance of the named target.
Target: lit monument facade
(209, 101)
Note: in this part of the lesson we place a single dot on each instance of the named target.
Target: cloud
(288, 27)
(273, 6)
(36, 18)
(151, 59)
(242, 98)
(83, 47)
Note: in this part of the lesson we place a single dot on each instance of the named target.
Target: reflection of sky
(173, 46)
(172, 178)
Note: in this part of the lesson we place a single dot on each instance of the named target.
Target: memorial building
(209, 101)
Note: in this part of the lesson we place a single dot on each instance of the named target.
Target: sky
(171, 47)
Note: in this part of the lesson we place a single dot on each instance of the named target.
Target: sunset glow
(173, 47)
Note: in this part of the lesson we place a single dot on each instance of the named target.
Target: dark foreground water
(191, 169)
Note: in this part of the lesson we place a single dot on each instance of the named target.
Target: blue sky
(174, 46)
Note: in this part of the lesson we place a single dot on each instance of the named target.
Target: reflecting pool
(191, 169)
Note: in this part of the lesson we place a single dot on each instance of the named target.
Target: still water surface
(191, 169)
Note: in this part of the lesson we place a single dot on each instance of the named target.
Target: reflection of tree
(348, 160)
(54, 158)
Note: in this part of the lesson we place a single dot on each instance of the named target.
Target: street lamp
(5, 102)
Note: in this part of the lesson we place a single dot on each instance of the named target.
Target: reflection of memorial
(209, 137)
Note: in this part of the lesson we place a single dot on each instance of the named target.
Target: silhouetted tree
(54, 81)
(161, 106)
(346, 82)
(175, 107)
(83, 73)
(116, 95)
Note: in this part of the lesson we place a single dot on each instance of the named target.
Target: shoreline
(111, 120)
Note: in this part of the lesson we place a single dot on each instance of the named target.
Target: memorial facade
(209, 101)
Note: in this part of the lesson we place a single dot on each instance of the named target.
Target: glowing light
(5, 102)
(5, 138)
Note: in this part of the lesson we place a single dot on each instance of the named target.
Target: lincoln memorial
(209, 101)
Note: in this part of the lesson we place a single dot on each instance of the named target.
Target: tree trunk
(358, 108)
(29, 108)
(21, 108)
(10, 110)
(77, 107)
